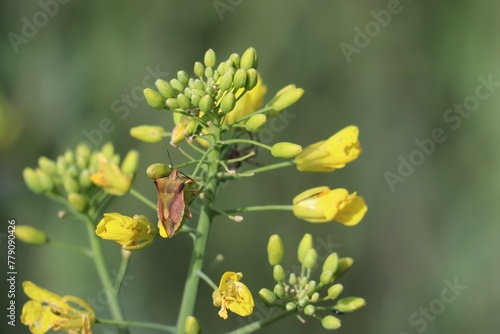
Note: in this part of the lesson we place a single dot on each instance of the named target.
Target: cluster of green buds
(301, 294)
(228, 95)
(77, 177)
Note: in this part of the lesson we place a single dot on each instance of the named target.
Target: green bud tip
(285, 150)
(256, 123)
(292, 279)
(44, 180)
(330, 322)
(71, 185)
(350, 304)
(78, 202)
(309, 310)
(279, 291)
(210, 58)
(311, 259)
(275, 250)
(31, 180)
(154, 99)
(304, 246)
(206, 103)
(172, 103)
(290, 306)
(326, 277)
(278, 273)
(249, 59)
(335, 290)
(177, 85)
(147, 133)
(240, 78)
(158, 171)
(331, 263)
(199, 69)
(30, 235)
(344, 264)
(228, 102)
(267, 297)
(184, 101)
(183, 77)
(252, 79)
(164, 88)
(226, 82)
(192, 326)
(285, 100)
(130, 162)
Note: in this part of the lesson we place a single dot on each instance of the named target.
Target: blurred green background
(440, 225)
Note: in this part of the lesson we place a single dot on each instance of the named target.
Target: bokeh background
(440, 225)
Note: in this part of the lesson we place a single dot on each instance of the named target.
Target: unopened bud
(311, 259)
(130, 162)
(349, 304)
(304, 246)
(249, 59)
(199, 69)
(30, 235)
(275, 250)
(285, 100)
(256, 123)
(154, 99)
(228, 102)
(240, 78)
(331, 263)
(183, 77)
(210, 58)
(184, 101)
(278, 273)
(267, 296)
(147, 133)
(158, 171)
(31, 180)
(78, 202)
(330, 322)
(335, 290)
(192, 326)
(164, 88)
(206, 103)
(252, 79)
(285, 150)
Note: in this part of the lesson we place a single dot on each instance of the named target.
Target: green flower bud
(84, 179)
(292, 279)
(267, 297)
(285, 150)
(206, 103)
(172, 103)
(249, 59)
(198, 84)
(183, 77)
(31, 235)
(252, 79)
(199, 69)
(303, 282)
(326, 277)
(47, 165)
(31, 180)
(130, 162)
(210, 58)
(275, 250)
(335, 290)
(209, 72)
(228, 102)
(331, 263)
(199, 92)
(330, 322)
(226, 81)
(255, 123)
(147, 133)
(70, 185)
(195, 100)
(349, 304)
(165, 88)
(303, 301)
(285, 100)
(177, 85)
(192, 326)
(315, 297)
(304, 246)
(311, 286)
(278, 273)
(344, 264)
(69, 157)
(78, 202)
(184, 102)
(309, 310)
(158, 171)
(240, 78)
(279, 291)
(154, 99)
(311, 259)
(83, 150)
(235, 58)
(108, 150)
(290, 306)
(44, 180)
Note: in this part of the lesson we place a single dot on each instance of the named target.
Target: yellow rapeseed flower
(233, 295)
(49, 311)
(330, 154)
(126, 231)
(111, 178)
(320, 205)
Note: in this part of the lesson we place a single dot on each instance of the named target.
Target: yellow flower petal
(233, 295)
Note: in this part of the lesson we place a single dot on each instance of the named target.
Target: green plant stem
(271, 167)
(252, 327)
(246, 141)
(126, 255)
(103, 272)
(203, 228)
(81, 250)
(163, 328)
(142, 198)
(260, 208)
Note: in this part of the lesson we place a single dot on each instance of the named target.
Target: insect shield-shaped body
(171, 207)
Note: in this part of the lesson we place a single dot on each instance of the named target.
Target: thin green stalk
(160, 327)
(271, 167)
(142, 198)
(200, 246)
(126, 255)
(250, 328)
(207, 279)
(81, 250)
(103, 272)
(260, 208)
(246, 141)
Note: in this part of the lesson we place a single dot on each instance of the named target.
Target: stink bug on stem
(171, 207)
